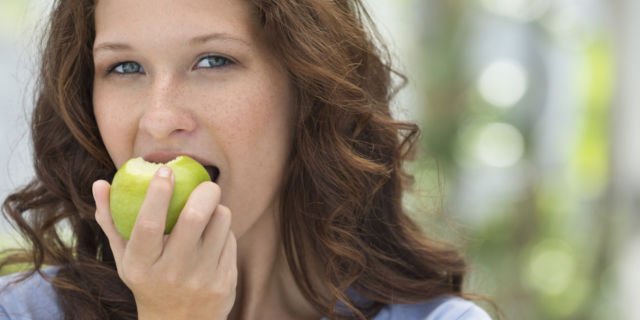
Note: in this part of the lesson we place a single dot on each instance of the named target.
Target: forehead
(172, 18)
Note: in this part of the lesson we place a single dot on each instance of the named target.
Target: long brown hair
(342, 196)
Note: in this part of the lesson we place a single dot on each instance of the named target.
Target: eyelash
(225, 62)
(113, 68)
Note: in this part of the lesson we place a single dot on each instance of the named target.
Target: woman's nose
(167, 113)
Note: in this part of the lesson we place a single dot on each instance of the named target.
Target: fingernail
(164, 172)
(93, 189)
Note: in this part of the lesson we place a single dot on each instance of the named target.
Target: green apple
(130, 183)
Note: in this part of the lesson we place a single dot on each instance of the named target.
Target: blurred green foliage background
(527, 109)
(527, 160)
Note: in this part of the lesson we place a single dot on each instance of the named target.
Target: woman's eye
(213, 62)
(128, 67)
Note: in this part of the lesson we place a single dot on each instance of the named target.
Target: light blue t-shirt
(35, 299)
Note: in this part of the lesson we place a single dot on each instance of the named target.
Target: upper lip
(166, 156)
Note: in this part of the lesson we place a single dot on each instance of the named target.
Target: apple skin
(130, 184)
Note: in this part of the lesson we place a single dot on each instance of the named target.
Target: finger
(195, 216)
(216, 235)
(147, 237)
(228, 258)
(101, 191)
(226, 272)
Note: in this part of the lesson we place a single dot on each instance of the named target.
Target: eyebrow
(114, 46)
(216, 36)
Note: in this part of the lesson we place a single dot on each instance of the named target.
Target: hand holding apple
(131, 182)
(189, 274)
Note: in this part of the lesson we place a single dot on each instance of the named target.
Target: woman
(287, 103)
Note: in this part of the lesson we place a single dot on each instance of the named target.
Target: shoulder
(448, 308)
(32, 298)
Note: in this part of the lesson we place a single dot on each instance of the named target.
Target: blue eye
(213, 62)
(127, 67)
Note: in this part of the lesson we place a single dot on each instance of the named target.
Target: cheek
(115, 129)
(256, 142)
(255, 114)
(262, 122)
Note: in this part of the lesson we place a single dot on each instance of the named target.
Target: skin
(225, 101)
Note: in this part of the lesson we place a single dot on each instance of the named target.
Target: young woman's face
(193, 77)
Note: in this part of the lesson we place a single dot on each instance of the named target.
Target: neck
(266, 287)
